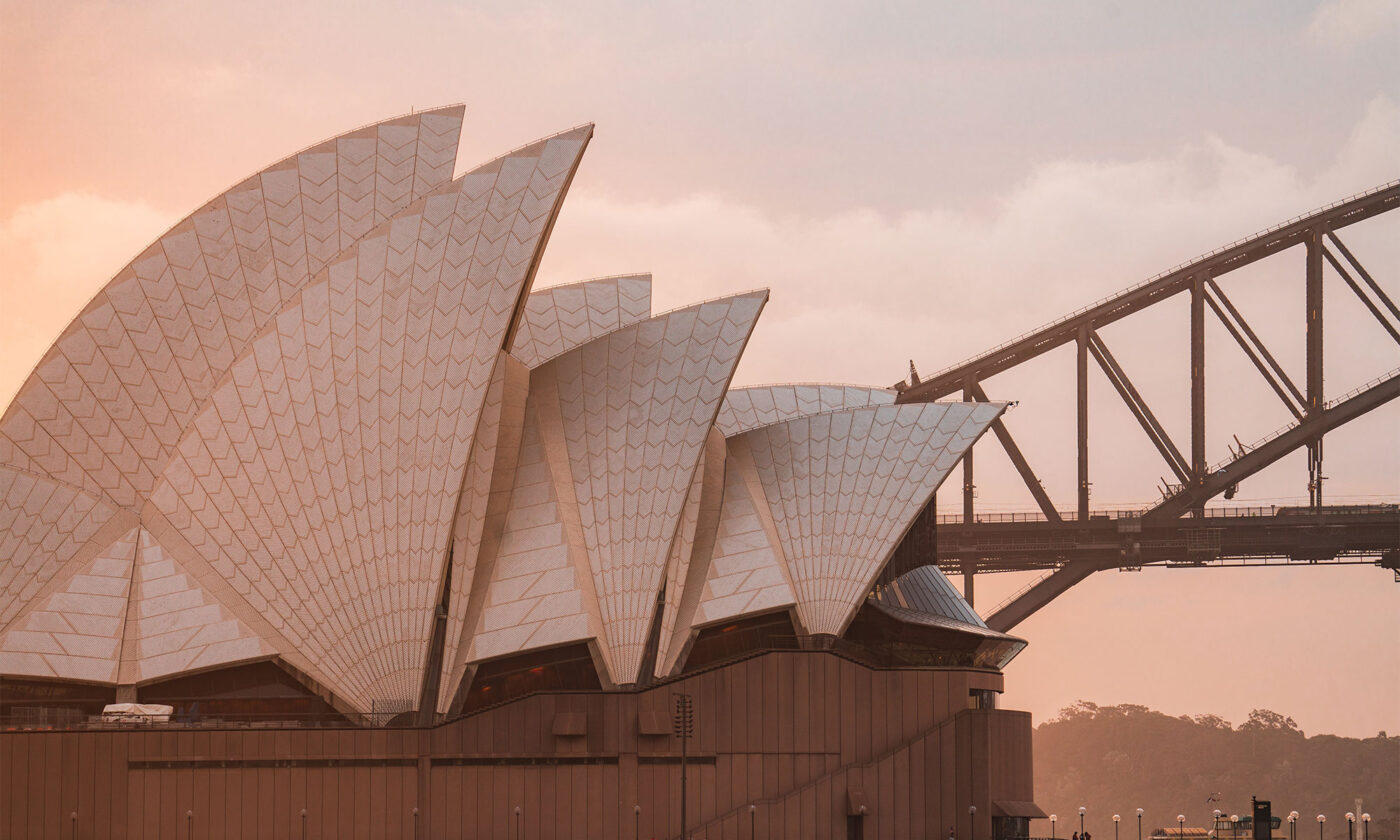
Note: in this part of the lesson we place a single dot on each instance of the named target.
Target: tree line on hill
(1116, 759)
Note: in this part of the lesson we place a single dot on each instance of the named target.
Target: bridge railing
(995, 518)
(1335, 401)
(1159, 276)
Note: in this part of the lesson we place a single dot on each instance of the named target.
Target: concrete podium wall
(793, 733)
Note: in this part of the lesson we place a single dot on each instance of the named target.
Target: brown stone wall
(793, 733)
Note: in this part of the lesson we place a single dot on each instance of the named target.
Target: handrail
(1136, 513)
(1022, 591)
(1159, 276)
(1287, 427)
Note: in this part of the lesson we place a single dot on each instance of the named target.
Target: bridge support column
(969, 493)
(1314, 361)
(1198, 384)
(1082, 379)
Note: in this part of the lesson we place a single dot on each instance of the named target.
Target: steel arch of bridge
(1073, 546)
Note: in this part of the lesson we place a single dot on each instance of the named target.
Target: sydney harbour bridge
(1179, 530)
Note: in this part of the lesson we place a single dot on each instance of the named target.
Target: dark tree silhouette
(1115, 759)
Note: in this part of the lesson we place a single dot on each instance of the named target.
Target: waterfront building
(415, 549)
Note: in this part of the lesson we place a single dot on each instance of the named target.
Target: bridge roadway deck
(1365, 534)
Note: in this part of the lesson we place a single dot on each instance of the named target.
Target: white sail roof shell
(325, 415)
(819, 502)
(560, 318)
(760, 405)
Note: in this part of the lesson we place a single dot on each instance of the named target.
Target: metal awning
(1012, 808)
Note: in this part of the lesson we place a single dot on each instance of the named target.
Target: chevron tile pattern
(678, 563)
(327, 403)
(760, 405)
(693, 563)
(42, 524)
(481, 512)
(748, 573)
(173, 624)
(842, 487)
(539, 593)
(637, 405)
(561, 318)
(322, 478)
(77, 634)
(108, 402)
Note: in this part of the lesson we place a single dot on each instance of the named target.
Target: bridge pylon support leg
(1198, 385)
(1082, 382)
(969, 495)
(1316, 401)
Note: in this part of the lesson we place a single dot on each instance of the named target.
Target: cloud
(1343, 23)
(55, 254)
(856, 293)
(940, 282)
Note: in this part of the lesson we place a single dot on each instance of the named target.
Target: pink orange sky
(916, 180)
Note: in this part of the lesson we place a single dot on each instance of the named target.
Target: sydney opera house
(412, 548)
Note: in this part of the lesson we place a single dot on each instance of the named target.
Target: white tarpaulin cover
(137, 711)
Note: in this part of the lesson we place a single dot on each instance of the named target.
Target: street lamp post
(1321, 821)
(1351, 826)
(1365, 827)
(1292, 825)
(1180, 826)
(753, 822)
(1116, 818)
(683, 722)
(1081, 820)
(972, 821)
(1215, 823)
(636, 822)
(517, 822)
(1234, 827)
(1139, 812)
(1052, 826)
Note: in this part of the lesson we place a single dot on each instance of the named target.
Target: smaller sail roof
(560, 318)
(928, 590)
(842, 488)
(759, 405)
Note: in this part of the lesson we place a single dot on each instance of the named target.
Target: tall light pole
(1351, 826)
(1365, 827)
(1234, 827)
(637, 822)
(683, 722)
(1180, 826)
(1292, 825)
(1052, 826)
(1081, 820)
(753, 822)
(1139, 824)
(1321, 821)
(1215, 825)
(1116, 818)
